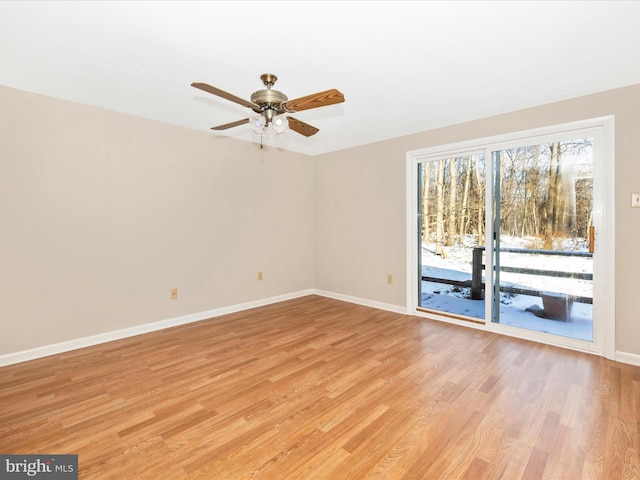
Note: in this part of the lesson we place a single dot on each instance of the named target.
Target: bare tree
(465, 200)
(426, 183)
(479, 203)
(453, 185)
(551, 213)
(546, 193)
(440, 208)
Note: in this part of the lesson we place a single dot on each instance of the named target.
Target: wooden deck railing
(477, 285)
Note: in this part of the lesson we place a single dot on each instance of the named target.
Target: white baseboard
(628, 358)
(53, 349)
(362, 301)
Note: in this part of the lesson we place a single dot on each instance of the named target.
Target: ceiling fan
(273, 107)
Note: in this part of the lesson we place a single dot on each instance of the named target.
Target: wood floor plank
(322, 389)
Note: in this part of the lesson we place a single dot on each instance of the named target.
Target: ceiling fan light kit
(280, 124)
(273, 107)
(258, 123)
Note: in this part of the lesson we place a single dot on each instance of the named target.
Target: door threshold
(451, 315)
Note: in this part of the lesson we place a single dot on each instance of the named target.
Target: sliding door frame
(602, 129)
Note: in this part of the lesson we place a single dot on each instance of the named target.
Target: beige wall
(360, 204)
(101, 214)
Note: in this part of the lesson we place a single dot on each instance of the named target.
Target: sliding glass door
(508, 232)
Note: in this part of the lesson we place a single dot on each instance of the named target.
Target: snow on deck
(456, 300)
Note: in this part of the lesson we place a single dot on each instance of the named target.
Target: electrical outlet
(389, 278)
(635, 200)
(259, 276)
(174, 294)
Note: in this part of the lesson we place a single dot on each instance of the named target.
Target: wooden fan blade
(225, 95)
(320, 99)
(301, 127)
(231, 124)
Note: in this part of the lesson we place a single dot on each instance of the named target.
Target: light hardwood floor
(314, 388)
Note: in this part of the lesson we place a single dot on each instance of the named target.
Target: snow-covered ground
(457, 266)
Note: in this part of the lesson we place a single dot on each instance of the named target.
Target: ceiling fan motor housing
(269, 100)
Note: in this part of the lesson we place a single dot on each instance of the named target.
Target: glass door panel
(543, 238)
(451, 231)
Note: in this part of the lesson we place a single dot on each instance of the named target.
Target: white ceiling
(404, 67)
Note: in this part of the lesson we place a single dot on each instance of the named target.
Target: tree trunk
(453, 185)
(465, 200)
(525, 216)
(425, 200)
(551, 220)
(480, 202)
(440, 208)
